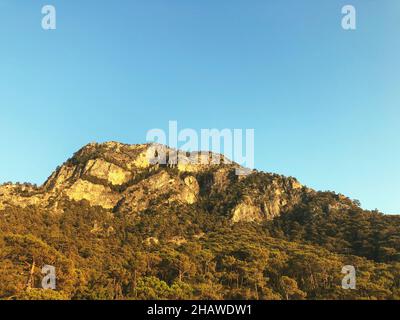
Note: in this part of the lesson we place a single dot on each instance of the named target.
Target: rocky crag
(123, 178)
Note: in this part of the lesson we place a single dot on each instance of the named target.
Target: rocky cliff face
(125, 179)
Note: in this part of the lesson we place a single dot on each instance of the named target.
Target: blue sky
(324, 102)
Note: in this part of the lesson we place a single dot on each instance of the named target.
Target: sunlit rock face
(102, 169)
(126, 179)
(96, 194)
(246, 213)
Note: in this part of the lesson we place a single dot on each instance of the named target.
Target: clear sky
(324, 102)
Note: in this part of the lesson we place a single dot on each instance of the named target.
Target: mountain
(121, 178)
(118, 225)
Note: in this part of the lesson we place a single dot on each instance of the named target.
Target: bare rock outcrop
(126, 179)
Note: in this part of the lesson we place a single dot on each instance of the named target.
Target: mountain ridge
(104, 174)
(118, 226)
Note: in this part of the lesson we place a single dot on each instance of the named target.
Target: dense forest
(196, 251)
(182, 253)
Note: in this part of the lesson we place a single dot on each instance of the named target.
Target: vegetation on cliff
(116, 227)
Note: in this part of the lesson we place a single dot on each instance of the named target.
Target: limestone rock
(129, 179)
(107, 171)
(246, 213)
(96, 194)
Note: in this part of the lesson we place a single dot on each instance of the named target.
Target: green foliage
(340, 227)
(194, 252)
(41, 294)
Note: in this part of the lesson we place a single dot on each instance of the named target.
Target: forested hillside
(117, 227)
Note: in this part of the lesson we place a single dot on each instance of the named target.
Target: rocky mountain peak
(126, 179)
